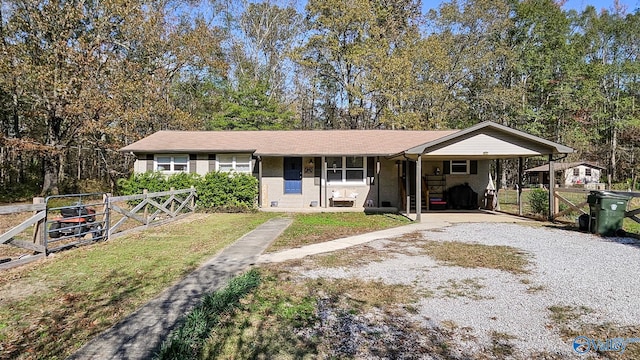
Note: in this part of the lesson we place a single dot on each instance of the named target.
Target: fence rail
(65, 221)
(568, 202)
(150, 208)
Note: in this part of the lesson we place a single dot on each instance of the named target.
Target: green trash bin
(606, 212)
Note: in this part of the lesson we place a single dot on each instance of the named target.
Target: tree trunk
(614, 149)
(50, 178)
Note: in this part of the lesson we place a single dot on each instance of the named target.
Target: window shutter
(371, 166)
(212, 162)
(473, 167)
(192, 163)
(317, 167)
(446, 167)
(150, 162)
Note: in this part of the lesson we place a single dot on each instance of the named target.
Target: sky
(601, 4)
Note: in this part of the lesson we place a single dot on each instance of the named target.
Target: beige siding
(312, 190)
(478, 182)
(481, 143)
(488, 143)
(140, 165)
(272, 182)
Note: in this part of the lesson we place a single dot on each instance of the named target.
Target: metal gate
(75, 219)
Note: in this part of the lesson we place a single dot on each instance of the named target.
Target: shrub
(217, 191)
(152, 181)
(228, 192)
(539, 201)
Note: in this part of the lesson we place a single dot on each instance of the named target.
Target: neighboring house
(353, 167)
(573, 173)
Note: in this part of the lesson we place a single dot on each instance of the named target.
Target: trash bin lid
(609, 195)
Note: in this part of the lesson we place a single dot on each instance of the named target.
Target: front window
(587, 172)
(172, 163)
(234, 162)
(345, 169)
(576, 172)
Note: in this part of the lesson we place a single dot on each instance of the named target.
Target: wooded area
(81, 78)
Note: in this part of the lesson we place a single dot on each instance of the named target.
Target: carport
(481, 143)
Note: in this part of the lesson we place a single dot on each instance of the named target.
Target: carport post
(520, 168)
(407, 186)
(552, 189)
(324, 200)
(418, 187)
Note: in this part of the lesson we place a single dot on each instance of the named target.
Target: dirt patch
(14, 292)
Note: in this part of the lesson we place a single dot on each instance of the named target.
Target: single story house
(568, 174)
(378, 168)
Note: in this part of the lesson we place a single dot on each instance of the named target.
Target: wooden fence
(568, 202)
(33, 230)
(150, 209)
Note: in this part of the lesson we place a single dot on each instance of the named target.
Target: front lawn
(315, 228)
(50, 308)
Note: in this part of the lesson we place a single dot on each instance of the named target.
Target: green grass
(315, 228)
(279, 318)
(186, 342)
(264, 324)
(52, 307)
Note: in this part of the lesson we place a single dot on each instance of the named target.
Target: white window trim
(343, 169)
(234, 162)
(458, 162)
(172, 163)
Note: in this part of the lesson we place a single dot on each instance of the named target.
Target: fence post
(145, 211)
(172, 206)
(38, 233)
(105, 216)
(193, 197)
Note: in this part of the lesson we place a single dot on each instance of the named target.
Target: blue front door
(293, 175)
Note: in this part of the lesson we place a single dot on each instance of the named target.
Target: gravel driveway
(574, 282)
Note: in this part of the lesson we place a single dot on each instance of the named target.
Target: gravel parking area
(573, 281)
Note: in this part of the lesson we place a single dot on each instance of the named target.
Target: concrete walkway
(430, 221)
(139, 335)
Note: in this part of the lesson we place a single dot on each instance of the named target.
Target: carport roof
(489, 140)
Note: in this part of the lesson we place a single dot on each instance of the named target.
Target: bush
(539, 201)
(152, 181)
(228, 192)
(217, 191)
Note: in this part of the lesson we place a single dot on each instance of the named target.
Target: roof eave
(559, 148)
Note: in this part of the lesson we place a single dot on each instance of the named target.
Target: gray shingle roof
(288, 142)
